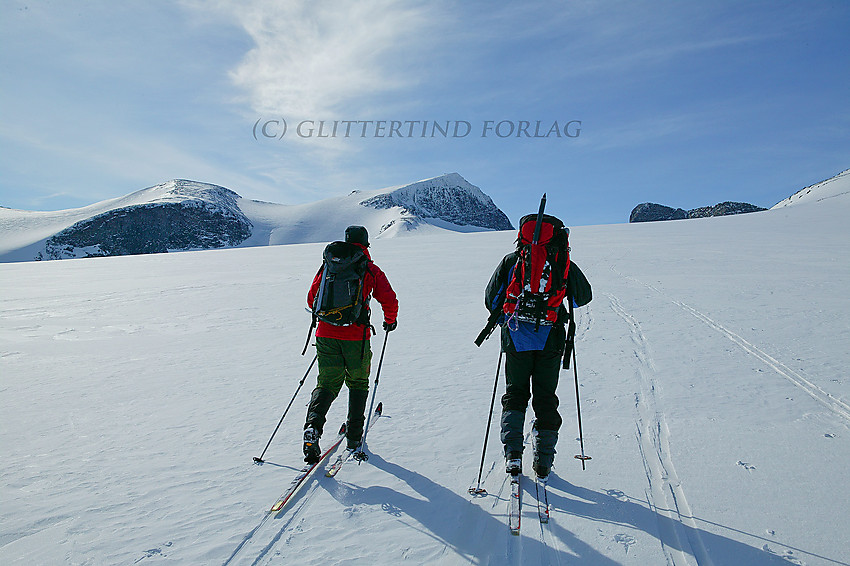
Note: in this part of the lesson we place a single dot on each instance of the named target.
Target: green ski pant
(340, 362)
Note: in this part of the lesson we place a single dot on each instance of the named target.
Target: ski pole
(361, 455)
(259, 460)
(581, 456)
(478, 490)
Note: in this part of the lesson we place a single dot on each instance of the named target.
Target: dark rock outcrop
(650, 212)
(724, 209)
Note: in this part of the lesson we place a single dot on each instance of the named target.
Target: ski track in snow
(536, 544)
(542, 541)
(549, 540)
(677, 529)
(837, 406)
(832, 403)
(269, 532)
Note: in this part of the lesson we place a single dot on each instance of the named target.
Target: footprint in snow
(616, 494)
(153, 552)
(626, 540)
(786, 555)
(391, 509)
(746, 466)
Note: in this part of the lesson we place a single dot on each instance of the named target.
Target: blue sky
(681, 103)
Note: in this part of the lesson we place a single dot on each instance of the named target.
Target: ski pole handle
(492, 323)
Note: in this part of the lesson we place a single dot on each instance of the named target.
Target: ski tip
(380, 408)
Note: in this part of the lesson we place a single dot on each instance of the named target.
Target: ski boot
(312, 452)
(513, 463)
(541, 470)
(543, 442)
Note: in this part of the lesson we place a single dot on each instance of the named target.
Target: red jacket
(374, 282)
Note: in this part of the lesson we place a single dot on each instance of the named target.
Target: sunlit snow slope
(715, 401)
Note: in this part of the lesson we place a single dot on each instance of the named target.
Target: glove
(390, 326)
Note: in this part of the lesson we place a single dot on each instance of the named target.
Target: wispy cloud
(316, 58)
(663, 128)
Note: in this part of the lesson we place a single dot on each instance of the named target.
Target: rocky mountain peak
(450, 198)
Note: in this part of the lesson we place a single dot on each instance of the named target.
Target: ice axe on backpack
(495, 315)
(536, 239)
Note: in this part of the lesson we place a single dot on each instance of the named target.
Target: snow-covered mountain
(715, 397)
(448, 202)
(185, 215)
(836, 186)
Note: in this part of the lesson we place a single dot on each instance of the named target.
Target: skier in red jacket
(344, 353)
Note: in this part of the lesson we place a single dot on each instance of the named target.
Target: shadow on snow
(614, 507)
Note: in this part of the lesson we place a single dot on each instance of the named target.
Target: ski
(304, 473)
(340, 460)
(346, 454)
(542, 500)
(515, 505)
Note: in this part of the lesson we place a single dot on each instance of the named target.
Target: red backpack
(538, 282)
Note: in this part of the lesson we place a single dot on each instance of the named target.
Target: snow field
(712, 360)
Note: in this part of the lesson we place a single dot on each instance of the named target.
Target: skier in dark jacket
(344, 355)
(533, 356)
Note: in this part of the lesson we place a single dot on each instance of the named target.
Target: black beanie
(357, 235)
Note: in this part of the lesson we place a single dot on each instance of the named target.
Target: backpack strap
(309, 334)
(365, 313)
(317, 300)
(368, 330)
(509, 302)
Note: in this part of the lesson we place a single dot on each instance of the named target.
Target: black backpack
(340, 297)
